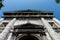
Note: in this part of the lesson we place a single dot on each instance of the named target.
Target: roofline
(13, 11)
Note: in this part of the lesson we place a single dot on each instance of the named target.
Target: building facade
(29, 25)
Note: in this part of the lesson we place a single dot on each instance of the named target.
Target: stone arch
(27, 37)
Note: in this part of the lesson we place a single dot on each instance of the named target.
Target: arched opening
(28, 37)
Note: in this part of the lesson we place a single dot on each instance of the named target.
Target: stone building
(29, 25)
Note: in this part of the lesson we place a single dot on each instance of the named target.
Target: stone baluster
(7, 29)
(52, 33)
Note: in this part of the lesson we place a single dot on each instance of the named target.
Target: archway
(28, 37)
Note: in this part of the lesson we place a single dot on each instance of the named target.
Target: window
(5, 23)
(50, 13)
(51, 23)
(43, 13)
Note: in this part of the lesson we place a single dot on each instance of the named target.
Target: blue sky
(49, 5)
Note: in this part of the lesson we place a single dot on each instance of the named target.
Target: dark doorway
(28, 37)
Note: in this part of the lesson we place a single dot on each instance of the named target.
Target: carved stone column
(48, 36)
(52, 33)
(7, 29)
(57, 22)
(9, 37)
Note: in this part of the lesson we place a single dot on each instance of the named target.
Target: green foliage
(58, 1)
(0, 0)
(1, 5)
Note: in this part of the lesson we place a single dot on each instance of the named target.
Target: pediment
(29, 10)
(28, 25)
